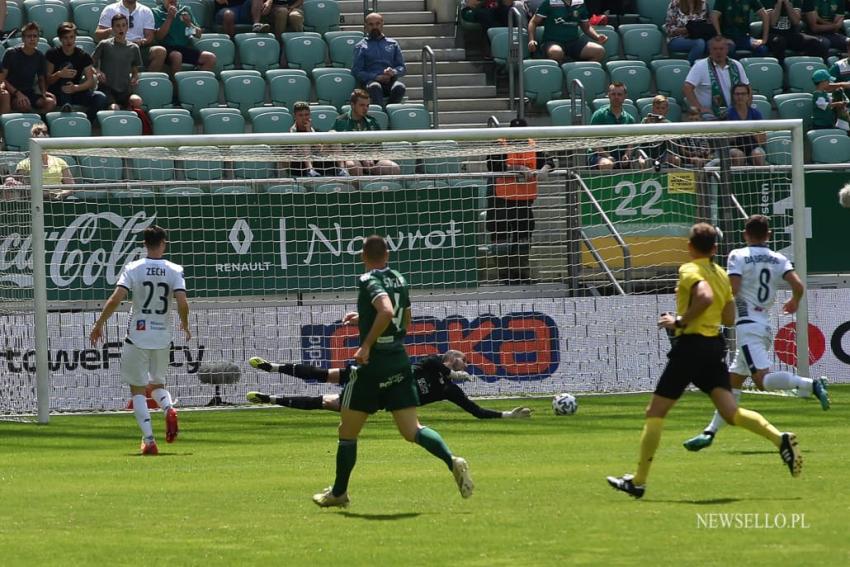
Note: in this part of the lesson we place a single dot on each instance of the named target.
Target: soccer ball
(564, 404)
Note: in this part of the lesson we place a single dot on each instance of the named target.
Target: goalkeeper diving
(435, 378)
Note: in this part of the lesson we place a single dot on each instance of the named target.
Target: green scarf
(717, 98)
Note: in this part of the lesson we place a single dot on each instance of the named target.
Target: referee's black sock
(299, 402)
(304, 371)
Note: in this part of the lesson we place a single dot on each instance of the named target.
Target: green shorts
(385, 383)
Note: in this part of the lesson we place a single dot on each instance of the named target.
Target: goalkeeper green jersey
(372, 285)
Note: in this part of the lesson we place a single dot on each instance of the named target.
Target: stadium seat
(799, 59)
(395, 151)
(321, 16)
(778, 148)
(376, 111)
(636, 77)
(543, 80)
(381, 186)
(155, 89)
(86, 17)
(16, 130)
(47, 16)
(333, 86)
(202, 10)
(156, 165)
(612, 46)
(196, 90)
(761, 104)
(258, 51)
(500, 46)
(795, 105)
(408, 116)
(222, 46)
(119, 123)
(592, 76)
(84, 42)
(222, 121)
(286, 188)
(765, 75)
(133, 195)
(643, 44)
(102, 169)
(305, 51)
(288, 86)
(341, 47)
(207, 166)
(43, 44)
(800, 76)
(561, 112)
(670, 77)
(628, 106)
(68, 124)
(442, 165)
(183, 191)
(261, 167)
(270, 120)
(14, 16)
(73, 166)
(655, 11)
(232, 190)
(644, 106)
(331, 187)
(324, 117)
(829, 146)
(172, 122)
(243, 89)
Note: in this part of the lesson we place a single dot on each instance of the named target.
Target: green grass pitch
(235, 490)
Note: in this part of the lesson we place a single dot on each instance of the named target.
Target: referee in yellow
(704, 303)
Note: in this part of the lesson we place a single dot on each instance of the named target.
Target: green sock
(346, 457)
(434, 444)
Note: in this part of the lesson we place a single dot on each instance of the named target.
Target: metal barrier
(516, 23)
(367, 9)
(429, 84)
(577, 85)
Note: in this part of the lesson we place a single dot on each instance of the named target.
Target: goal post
(271, 257)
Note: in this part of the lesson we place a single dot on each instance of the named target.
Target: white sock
(784, 380)
(162, 397)
(717, 421)
(143, 416)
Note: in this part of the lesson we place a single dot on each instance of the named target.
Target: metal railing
(516, 23)
(429, 84)
(367, 9)
(577, 86)
(493, 122)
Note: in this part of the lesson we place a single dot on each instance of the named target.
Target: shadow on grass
(716, 501)
(160, 455)
(381, 517)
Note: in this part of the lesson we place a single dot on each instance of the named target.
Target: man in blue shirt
(378, 63)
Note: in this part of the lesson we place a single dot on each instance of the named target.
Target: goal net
(269, 230)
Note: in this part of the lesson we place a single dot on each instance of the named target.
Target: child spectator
(71, 77)
(826, 112)
(117, 62)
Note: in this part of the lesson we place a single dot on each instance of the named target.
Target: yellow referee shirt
(709, 321)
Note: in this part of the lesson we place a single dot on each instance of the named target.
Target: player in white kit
(755, 272)
(151, 281)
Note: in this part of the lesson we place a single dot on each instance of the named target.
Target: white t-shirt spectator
(699, 77)
(140, 19)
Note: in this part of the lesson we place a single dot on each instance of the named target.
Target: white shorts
(753, 352)
(143, 366)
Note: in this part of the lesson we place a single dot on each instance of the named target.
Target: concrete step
(405, 29)
(453, 118)
(450, 67)
(455, 54)
(356, 6)
(411, 17)
(420, 42)
(494, 103)
(448, 80)
(481, 91)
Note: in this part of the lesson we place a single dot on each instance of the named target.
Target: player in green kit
(381, 377)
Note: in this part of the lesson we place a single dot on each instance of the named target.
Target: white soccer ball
(564, 404)
(844, 196)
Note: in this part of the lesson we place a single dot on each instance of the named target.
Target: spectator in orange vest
(510, 215)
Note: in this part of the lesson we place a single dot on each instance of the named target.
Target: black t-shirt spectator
(79, 60)
(22, 69)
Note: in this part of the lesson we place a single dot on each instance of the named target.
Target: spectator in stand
(3, 19)
(232, 12)
(748, 146)
(785, 31)
(708, 86)
(55, 172)
(358, 119)
(140, 31)
(71, 77)
(731, 19)
(379, 64)
(684, 25)
(286, 15)
(308, 167)
(691, 152)
(657, 153)
(615, 157)
(488, 14)
(826, 21)
(175, 30)
(117, 62)
(829, 111)
(561, 38)
(24, 70)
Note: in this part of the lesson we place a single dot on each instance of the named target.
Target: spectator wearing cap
(827, 112)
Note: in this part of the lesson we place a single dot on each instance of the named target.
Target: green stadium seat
(795, 105)
(183, 191)
(73, 166)
(761, 104)
(157, 165)
(155, 89)
(442, 165)
(653, 10)
(16, 130)
(778, 148)
(86, 17)
(829, 146)
(331, 187)
(407, 164)
(500, 46)
(636, 77)
(261, 167)
(202, 10)
(304, 51)
(786, 64)
(258, 51)
(341, 47)
(670, 77)
(270, 120)
(765, 75)
(232, 190)
(561, 112)
(324, 117)
(591, 74)
(207, 166)
(643, 44)
(376, 111)
(408, 116)
(222, 46)
(119, 123)
(321, 16)
(84, 42)
(644, 106)
(628, 106)
(137, 194)
(286, 188)
(172, 122)
(243, 89)
(222, 121)
(102, 168)
(90, 195)
(196, 90)
(47, 16)
(68, 124)
(543, 80)
(381, 186)
(14, 16)
(288, 86)
(612, 46)
(333, 86)
(800, 76)
(43, 44)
